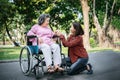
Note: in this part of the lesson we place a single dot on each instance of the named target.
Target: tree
(104, 39)
(85, 10)
(6, 14)
(62, 12)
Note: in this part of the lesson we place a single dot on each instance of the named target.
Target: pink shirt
(43, 32)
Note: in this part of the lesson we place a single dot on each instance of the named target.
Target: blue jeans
(78, 66)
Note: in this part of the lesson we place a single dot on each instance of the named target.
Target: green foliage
(101, 16)
(116, 22)
(100, 11)
(6, 14)
(62, 11)
(116, 16)
(93, 42)
(26, 8)
(7, 11)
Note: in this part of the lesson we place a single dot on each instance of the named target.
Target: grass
(117, 43)
(8, 53)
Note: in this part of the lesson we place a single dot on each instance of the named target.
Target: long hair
(42, 18)
(78, 28)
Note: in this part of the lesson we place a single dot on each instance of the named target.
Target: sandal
(50, 69)
(57, 68)
(60, 69)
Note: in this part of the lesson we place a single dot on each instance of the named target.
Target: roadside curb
(9, 61)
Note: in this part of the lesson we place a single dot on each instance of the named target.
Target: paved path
(106, 65)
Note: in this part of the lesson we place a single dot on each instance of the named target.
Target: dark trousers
(78, 66)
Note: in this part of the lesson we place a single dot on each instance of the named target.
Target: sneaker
(90, 71)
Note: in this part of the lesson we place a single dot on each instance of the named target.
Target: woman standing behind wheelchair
(77, 54)
(46, 43)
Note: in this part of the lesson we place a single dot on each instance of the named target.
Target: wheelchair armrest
(31, 36)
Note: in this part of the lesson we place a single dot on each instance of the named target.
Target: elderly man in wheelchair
(41, 40)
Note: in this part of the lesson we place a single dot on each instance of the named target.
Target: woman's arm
(32, 31)
(70, 43)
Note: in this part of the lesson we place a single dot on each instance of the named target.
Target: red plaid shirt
(75, 47)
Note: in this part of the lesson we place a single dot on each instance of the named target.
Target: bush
(93, 42)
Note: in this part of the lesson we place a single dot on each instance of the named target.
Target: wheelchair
(29, 53)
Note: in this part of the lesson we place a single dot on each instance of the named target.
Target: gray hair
(42, 18)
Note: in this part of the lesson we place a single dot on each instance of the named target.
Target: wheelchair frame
(26, 59)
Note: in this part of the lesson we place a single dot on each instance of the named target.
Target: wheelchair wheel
(39, 70)
(25, 60)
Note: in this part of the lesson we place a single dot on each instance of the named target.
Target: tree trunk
(114, 34)
(98, 26)
(107, 25)
(15, 43)
(85, 10)
(104, 40)
(3, 39)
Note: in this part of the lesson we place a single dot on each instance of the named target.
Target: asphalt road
(106, 66)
